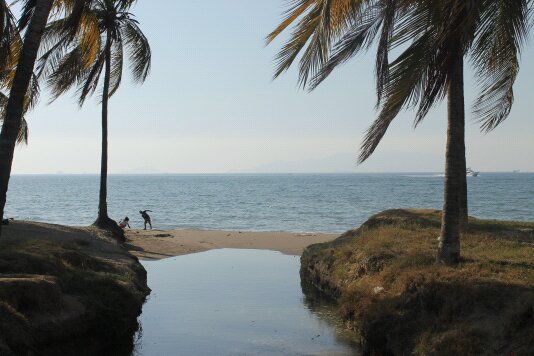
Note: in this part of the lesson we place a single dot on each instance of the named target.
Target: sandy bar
(158, 244)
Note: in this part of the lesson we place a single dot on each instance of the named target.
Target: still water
(236, 302)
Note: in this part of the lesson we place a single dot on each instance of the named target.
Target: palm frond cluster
(10, 45)
(105, 32)
(73, 49)
(428, 35)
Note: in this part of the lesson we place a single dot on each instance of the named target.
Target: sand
(158, 244)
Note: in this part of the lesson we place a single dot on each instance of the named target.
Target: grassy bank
(391, 291)
(67, 290)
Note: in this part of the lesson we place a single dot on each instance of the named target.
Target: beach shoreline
(158, 244)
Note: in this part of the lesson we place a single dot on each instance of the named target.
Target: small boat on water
(516, 171)
(471, 173)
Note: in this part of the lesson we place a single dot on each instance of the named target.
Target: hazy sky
(210, 106)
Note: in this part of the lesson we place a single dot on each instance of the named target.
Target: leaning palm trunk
(103, 220)
(455, 179)
(15, 105)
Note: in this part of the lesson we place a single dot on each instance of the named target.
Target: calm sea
(278, 202)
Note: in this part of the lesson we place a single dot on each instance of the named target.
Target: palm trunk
(455, 206)
(103, 221)
(14, 109)
(464, 212)
(102, 201)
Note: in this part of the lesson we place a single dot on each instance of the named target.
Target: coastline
(53, 277)
(158, 244)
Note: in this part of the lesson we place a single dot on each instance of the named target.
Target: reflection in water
(324, 307)
(236, 302)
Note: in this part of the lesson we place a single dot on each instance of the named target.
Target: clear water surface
(262, 202)
(236, 302)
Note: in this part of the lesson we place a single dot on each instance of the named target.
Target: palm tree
(14, 111)
(34, 17)
(438, 35)
(17, 60)
(108, 30)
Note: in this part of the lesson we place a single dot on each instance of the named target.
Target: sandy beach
(158, 244)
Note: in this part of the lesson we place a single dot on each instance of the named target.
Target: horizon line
(255, 173)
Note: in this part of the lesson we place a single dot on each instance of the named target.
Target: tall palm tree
(108, 31)
(14, 111)
(438, 34)
(17, 61)
(34, 17)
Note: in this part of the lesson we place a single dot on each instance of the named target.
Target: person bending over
(146, 217)
(124, 222)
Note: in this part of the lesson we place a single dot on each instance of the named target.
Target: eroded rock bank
(391, 292)
(66, 290)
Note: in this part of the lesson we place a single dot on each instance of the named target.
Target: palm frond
(89, 37)
(117, 64)
(3, 104)
(54, 45)
(32, 97)
(89, 82)
(299, 37)
(317, 25)
(333, 18)
(123, 5)
(294, 11)
(443, 25)
(388, 15)
(26, 13)
(78, 60)
(495, 53)
(75, 8)
(359, 37)
(68, 72)
(9, 38)
(22, 136)
(138, 49)
(407, 75)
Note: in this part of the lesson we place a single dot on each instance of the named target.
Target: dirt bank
(393, 294)
(66, 290)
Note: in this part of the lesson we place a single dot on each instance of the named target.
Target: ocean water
(263, 202)
(236, 302)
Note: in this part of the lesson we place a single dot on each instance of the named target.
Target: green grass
(392, 292)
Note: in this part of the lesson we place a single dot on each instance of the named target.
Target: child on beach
(124, 222)
(146, 217)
